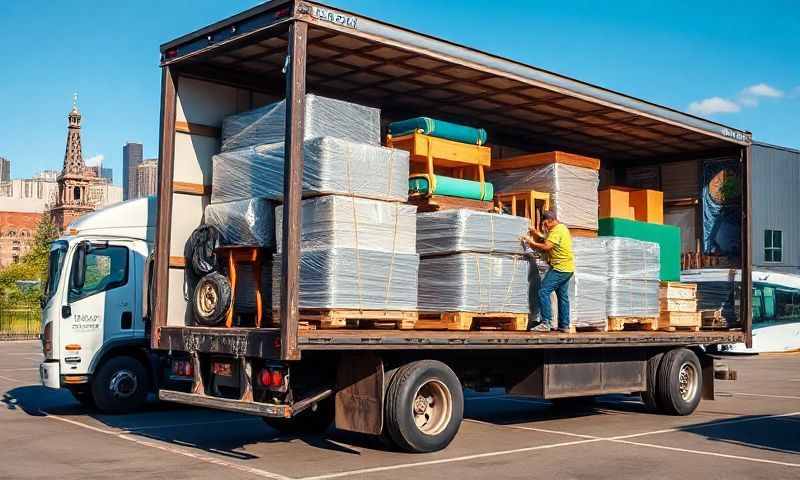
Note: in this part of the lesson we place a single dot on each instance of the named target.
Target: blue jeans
(558, 282)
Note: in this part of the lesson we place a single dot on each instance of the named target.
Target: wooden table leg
(257, 273)
(232, 276)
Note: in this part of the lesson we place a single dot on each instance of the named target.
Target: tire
(680, 382)
(211, 299)
(308, 421)
(120, 385)
(650, 396)
(432, 389)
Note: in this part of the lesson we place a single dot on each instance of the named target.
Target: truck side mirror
(79, 266)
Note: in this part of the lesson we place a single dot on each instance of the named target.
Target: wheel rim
(432, 407)
(123, 384)
(688, 381)
(207, 298)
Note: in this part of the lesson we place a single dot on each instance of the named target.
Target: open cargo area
(297, 100)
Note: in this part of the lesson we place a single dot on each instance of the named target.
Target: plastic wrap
(245, 301)
(325, 117)
(335, 221)
(633, 271)
(464, 230)
(474, 282)
(330, 166)
(244, 222)
(354, 279)
(589, 287)
(573, 190)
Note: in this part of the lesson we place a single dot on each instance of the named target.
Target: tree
(32, 266)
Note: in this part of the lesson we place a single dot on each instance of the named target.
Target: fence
(19, 321)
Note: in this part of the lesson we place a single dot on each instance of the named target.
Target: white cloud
(748, 97)
(710, 106)
(95, 160)
(762, 90)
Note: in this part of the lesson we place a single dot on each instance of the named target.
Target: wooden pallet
(616, 324)
(677, 305)
(312, 319)
(574, 329)
(713, 319)
(472, 321)
(678, 291)
(671, 321)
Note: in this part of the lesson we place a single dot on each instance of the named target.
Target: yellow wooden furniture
(432, 155)
(529, 204)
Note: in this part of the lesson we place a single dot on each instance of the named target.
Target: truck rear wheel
(650, 396)
(211, 299)
(120, 385)
(680, 380)
(424, 406)
(309, 421)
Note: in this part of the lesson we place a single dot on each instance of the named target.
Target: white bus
(776, 305)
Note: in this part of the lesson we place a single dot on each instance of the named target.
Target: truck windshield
(58, 250)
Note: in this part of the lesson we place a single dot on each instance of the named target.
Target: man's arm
(545, 246)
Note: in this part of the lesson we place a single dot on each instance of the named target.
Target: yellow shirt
(561, 257)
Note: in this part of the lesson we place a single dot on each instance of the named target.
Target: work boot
(564, 330)
(541, 327)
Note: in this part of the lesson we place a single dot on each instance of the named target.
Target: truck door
(100, 310)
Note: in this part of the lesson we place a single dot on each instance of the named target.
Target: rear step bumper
(243, 406)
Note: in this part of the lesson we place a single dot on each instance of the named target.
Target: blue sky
(734, 62)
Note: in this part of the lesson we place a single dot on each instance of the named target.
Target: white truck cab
(93, 327)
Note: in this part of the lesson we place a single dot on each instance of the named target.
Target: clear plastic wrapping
(589, 287)
(464, 230)
(573, 190)
(354, 279)
(335, 221)
(474, 282)
(244, 222)
(331, 166)
(245, 301)
(325, 117)
(633, 272)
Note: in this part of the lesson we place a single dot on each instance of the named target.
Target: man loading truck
(557, 244)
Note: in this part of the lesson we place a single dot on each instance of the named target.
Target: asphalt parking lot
(751, 431)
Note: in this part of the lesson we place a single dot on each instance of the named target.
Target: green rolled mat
(440, 129)
(451, 187)
(668, 237)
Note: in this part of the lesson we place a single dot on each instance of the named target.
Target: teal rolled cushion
(440, 129)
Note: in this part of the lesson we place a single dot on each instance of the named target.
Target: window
(106, 269)
(773, 246)
(54, 263)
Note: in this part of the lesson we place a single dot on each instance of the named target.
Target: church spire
(73, 158)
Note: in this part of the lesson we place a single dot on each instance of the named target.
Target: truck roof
(575, 116)
(130, 219)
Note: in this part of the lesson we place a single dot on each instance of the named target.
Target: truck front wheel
(424, 406)
(120, 385)
(680, 380)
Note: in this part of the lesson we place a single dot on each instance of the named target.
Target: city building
(5, 170)
(131, 158)
(17, 230)
(146, 178)
(106, 174)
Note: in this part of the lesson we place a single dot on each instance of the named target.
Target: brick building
(17, 230)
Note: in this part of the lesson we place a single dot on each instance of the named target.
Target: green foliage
(31, 267)
(731, 188)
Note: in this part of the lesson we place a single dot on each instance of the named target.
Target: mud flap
(359, 393)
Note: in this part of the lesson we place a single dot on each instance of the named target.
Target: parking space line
(18, 369)
(788, 397)
(188, 424)
(447, 460)
(712, 454)
(130, 437)
(533, 429)
(732, 421)
(9, 379)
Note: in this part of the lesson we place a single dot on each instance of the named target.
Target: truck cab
(94, 335)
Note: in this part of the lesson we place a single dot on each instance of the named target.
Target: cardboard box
(648, 205)
(615, 203)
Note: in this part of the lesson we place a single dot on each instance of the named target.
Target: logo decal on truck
(334, 17)
(84, 322)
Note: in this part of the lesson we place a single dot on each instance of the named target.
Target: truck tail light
(271, 378)
(182, 368)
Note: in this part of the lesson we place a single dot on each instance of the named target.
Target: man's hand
(535, 233)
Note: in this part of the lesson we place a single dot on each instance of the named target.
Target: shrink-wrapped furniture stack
(633, 277)
(589, 288)
(358, 239)
(571, 180)
(472, 262)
